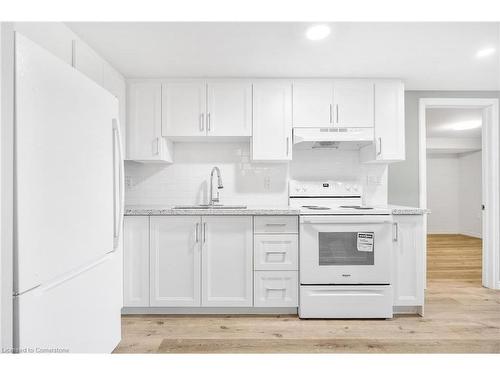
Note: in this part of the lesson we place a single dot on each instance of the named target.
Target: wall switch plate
(373, 180)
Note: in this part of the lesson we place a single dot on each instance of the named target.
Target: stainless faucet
(219, 186)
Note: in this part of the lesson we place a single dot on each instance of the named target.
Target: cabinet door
(144, 127)
(184, 108)
(272, 121)
(353, 103)
(389, 121)
(229, 111)
(87, 61)
(409, 258)
(312, 103)
(227, 270)
(175, 260)
(136, 261)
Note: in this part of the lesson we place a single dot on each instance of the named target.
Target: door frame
(490, 176)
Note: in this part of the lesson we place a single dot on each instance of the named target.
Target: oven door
(345, 249)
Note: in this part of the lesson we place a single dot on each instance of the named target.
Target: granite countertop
(170, 210)
(405, 210)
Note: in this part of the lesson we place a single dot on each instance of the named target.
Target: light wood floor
(454, 257)
(460, 317)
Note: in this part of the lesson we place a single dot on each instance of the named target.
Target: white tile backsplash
(187, 180)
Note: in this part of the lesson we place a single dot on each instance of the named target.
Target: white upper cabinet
(272, 121)
(353, 103)
(194, 108)
(312, 103)
(389, 143)
(184, 108)
(229, 108)
(145, 142)
(136, 261)
(227, 261)
(342, 103)
(175, 261)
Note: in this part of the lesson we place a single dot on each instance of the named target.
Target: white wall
(470, 192)
(443, 193)
(186, 181)
(454, 193)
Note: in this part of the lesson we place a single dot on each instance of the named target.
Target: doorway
(454, 194)
(459, 174)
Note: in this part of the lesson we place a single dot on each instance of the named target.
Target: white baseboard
(471, 234)
(210, 310)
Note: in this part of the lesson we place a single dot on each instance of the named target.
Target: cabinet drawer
(345, 301)
(276, 224)
(275, 252)
(276, 289)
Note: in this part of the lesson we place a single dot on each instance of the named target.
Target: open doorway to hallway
(454, 194)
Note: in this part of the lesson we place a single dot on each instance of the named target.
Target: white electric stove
(345, 252)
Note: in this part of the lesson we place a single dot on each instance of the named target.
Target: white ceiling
(438, 121)
(427, 56)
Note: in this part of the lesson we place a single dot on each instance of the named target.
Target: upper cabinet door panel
(184, 107)
(144, 127)
(389, 120)
(272, 121)
(229, 111)
(312, 103)
(354, 103)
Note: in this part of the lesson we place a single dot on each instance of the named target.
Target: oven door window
(346, 248)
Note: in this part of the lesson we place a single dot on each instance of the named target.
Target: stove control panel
(324, 188)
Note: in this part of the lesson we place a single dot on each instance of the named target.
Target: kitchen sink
(206, 206)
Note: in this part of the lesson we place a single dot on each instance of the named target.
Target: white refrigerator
(68, 208)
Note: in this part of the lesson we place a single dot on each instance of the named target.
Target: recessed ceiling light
(317, 32)
(465, 125)
(485, 52)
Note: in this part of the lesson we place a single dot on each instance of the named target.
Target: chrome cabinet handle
(118, 198)
(202, 122)
(204, 232)
(275, 224)
(196, 239)
(287, 146)
(337, 113)
(379, 146)
(395, 231)
(331, 114)
(208, 121)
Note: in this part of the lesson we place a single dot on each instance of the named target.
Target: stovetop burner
(358, 207)
(316, 207)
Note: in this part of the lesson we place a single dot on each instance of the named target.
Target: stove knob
(355, 188)
(348, 187)
(297, 189)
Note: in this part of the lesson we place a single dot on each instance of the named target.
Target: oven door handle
(340, 219)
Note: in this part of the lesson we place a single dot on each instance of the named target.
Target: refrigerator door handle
(119, 198)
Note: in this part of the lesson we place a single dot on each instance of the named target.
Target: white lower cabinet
(409, 261)
(136, 261)
(276, 289)
(227, 261)
(175, 263)
(276, 252)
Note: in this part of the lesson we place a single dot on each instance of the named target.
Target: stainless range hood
(333, 138)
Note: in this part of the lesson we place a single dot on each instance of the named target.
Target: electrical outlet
(373, 180)
(267, 183)
(128, 182)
